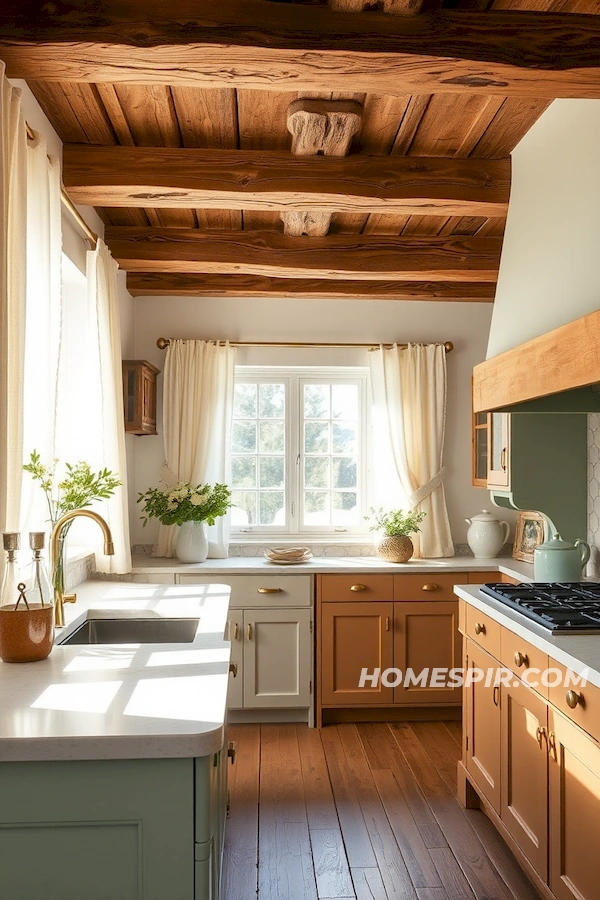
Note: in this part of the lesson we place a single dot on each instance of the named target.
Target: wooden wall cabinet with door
(270, 629)
(541, 786)
(491, 450)
(396, 622)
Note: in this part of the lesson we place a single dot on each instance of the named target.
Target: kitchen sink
(134, 631)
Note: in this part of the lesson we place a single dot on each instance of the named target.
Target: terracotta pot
(396, 548)
(26, 635)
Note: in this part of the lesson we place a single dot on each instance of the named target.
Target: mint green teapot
(558, 560)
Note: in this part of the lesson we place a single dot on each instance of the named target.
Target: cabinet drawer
(586, 713)
(357, 587)
(484, 631)
(260, 590)
(436, 586)
(484, 577)
(520, 656)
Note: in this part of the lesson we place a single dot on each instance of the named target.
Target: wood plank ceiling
(194, 247)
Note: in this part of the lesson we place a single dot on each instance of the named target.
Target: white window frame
(294, 378)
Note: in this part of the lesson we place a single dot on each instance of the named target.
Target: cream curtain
(13, 217)
(409, 396)
(197, 414)
(106, 375)
(43, 318)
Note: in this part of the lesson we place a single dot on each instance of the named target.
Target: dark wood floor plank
(241, 832)
(464, 843)
(451, 874)
(383, 753)
(503, 859)
(368, 884)
(441, 749)
(331, 866)
(285, 869)
(390, 861)
(320, 805)
(356, 837)
(455, 729)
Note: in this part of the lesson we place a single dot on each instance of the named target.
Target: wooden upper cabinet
(426, 638)
(574, 768)
(355, 636)
(524, 772)
(498, 475)
(139, 396)
(481, 721)
(480, 449)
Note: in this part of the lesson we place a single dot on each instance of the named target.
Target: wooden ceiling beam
(173, 284)
(163, 177)
(288, 46)
(340, 256)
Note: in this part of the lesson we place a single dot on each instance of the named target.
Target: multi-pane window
(299, 451)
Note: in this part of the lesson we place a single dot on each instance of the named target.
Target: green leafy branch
(395, 521)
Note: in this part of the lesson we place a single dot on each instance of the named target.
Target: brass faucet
(59, 597)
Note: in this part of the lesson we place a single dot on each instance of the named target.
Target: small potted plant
(190, 506)
(395, 526)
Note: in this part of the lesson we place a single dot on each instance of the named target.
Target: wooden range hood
(556, 372)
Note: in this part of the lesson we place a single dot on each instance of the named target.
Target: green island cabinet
(113, 829)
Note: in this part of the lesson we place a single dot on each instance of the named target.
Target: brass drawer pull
(503, 459)
(496, 695)
(249, 632)
(573, 698)
(236, 632)
(387, 623)
(552, 745)
(430, 587)
(270, 590)
(358, 587)
(479, 628)
(233, 669)
(540, 734)
(521, 660)
(232, 751)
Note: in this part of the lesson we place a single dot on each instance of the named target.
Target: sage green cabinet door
(97, 829)
(276, 658)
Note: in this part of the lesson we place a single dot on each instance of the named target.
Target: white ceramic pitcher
(486, 535)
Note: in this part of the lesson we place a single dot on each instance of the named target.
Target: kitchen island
(113, 758)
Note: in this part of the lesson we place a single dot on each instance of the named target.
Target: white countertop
(244, 565)
(579, 652)
(122, 701)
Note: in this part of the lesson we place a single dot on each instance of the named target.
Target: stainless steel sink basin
(134, 631)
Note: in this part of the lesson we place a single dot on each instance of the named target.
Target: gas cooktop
(559, 607)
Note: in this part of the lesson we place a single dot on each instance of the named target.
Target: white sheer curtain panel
(43, 331)
(13, 218)
(409, 397)
(106, 375)
(197, 414)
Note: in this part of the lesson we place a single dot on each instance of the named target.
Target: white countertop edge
(26, 729)
(578, 652)
(240, 565)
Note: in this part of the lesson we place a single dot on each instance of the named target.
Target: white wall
(550, 267)
(239, 319)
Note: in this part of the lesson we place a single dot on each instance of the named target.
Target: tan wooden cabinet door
(481, 712)
(524, 773)
(426, 637)
(276, 658)
(355, 636)
(574, 766)
(499, 450)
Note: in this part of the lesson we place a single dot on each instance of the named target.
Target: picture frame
(529, 534)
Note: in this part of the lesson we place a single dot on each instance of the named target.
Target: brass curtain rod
(163, 343)
(68, 203)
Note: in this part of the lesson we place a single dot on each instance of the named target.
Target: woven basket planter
(395, 548)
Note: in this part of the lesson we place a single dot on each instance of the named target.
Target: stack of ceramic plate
(288, 556)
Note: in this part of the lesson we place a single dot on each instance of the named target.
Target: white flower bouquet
(185, 503)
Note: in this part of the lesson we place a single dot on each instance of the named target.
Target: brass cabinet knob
(269, 590)
(573, 698)
(521, 659)
(430, 587)
(358, 587)
(232, 751)
(233, 669)
(479, 628)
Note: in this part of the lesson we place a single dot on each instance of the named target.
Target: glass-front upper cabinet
(498, 450)
(480, 449)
